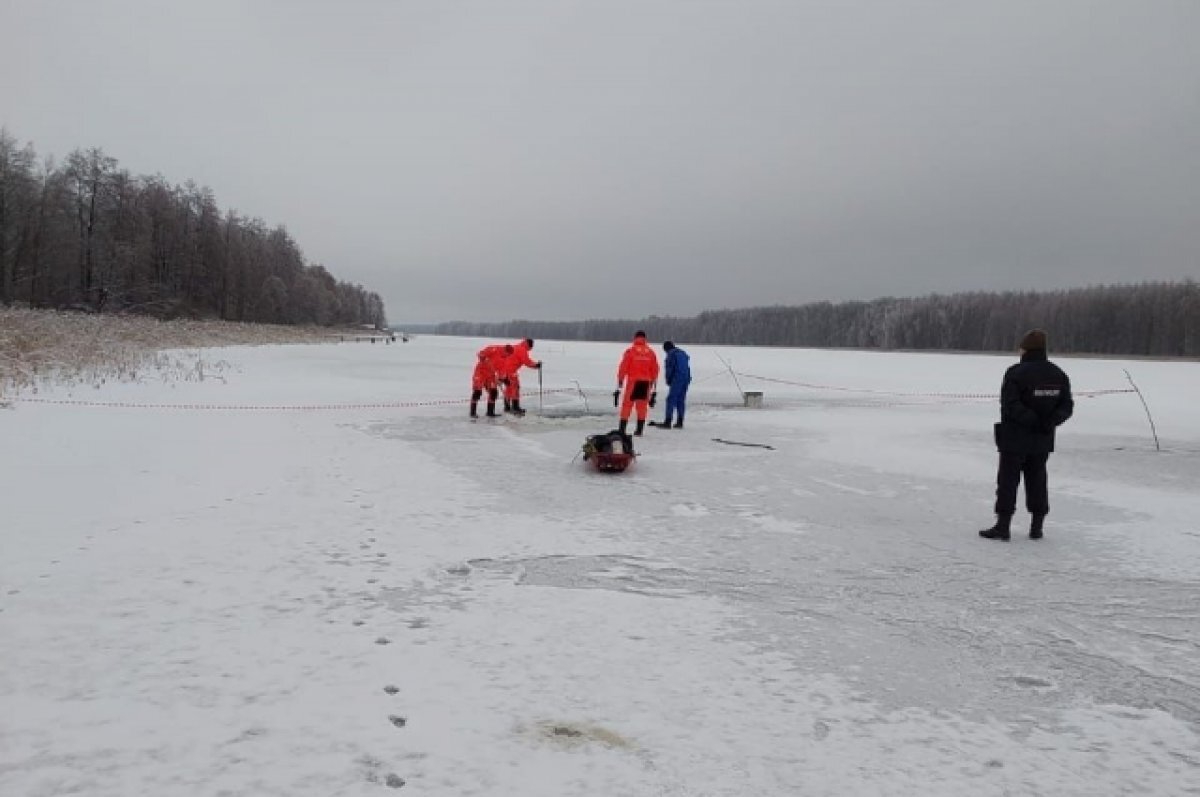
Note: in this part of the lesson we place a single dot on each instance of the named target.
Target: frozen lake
(278, 601)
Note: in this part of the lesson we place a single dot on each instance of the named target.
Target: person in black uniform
(1035, 399)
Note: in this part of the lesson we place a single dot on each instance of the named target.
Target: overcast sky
(494, 159)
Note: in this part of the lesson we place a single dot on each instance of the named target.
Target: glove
(653, 397)
(538, 366)
(616, 397)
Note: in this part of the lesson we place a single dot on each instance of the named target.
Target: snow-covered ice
(352, 600)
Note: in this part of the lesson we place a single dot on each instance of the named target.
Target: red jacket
(639, 363)
(520, 356)
(495, 357)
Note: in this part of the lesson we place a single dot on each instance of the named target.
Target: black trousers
(1008, 478)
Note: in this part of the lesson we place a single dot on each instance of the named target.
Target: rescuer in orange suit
(639, 374)
(510, 377)
(489, 365)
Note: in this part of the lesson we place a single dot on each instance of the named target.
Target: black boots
(679, 424)
(1000, 531)
(623, 427)
(516, 407)
(491, 403)
(1003, 528)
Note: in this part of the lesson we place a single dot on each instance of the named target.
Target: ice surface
(288, 602)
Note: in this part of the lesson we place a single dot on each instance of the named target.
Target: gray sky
(484, 160)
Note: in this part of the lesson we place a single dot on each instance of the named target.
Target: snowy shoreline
(44, 349)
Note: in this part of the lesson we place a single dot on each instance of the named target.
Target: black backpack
(608, 443)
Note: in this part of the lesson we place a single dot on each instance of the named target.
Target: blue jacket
(677, 369)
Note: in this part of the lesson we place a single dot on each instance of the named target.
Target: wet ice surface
(343, 603)
(829, 566)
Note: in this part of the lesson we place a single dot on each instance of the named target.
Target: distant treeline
(1154, 318)
(86, 234)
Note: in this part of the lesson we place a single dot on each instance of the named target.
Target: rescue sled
(611, 452)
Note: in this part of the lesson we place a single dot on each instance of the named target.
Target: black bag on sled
(611, 451)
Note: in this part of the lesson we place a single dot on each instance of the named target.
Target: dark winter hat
(639, 334)
(1034, 340)
(529, 342)
(668, 345)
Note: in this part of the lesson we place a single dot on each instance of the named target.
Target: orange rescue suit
(638, 372)
(520, 356)
(489, 366)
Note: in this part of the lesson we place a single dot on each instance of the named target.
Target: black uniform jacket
(1035, 398)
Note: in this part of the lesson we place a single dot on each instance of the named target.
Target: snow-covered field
(208, 601)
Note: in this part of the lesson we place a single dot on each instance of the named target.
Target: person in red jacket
(489, 366)
(638, 373)
(511, 378)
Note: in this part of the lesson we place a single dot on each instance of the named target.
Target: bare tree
(90, 235)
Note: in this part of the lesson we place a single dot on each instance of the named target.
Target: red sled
(609, 453)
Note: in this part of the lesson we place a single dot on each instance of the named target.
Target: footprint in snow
(372, 765)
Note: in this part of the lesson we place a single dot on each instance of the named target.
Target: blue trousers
(676, 401)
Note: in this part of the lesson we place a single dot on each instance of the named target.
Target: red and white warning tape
(909, 394)
(392, 405)
(385, 405)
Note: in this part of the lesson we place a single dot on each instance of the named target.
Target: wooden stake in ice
(1146, 407)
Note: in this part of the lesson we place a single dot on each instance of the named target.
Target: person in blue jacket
(678, 374)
